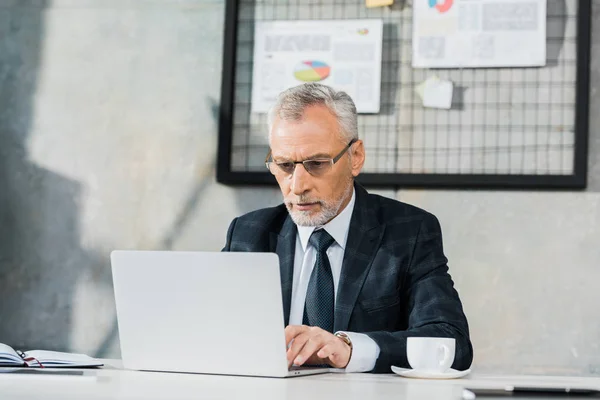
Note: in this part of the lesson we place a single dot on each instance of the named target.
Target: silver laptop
(202, 312)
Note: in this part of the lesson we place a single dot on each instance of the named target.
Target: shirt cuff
(364, 353)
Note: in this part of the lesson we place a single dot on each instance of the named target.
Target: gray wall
(108, 139)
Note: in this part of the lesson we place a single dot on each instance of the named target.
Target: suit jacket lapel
(284, 244)
(364, 238)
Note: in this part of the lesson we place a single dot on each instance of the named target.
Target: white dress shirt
(364, 349)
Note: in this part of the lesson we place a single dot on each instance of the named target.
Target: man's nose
(300, 180)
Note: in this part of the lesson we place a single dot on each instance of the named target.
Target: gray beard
(329, 210)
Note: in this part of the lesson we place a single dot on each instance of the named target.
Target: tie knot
(321, 240)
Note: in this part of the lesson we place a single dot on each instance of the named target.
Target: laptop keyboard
(305, 367)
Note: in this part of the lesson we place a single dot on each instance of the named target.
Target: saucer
(413, 373)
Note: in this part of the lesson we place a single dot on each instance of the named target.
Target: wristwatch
(346, 339)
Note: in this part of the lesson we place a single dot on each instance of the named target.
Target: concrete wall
(108, 140)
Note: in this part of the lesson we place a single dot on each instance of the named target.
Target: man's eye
(286, 166)
(315, 164)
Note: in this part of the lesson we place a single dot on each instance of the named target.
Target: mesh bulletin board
(508, 127)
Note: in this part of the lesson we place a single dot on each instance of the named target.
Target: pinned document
(344, 54)
(436, 93)
(480, 33)
(379, 3)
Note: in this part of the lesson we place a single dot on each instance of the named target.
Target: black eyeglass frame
(305, 163)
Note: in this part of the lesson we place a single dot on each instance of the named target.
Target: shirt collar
(338, 227)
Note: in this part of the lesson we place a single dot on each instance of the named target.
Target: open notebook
(42, 359)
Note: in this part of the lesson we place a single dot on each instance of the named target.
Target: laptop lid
(204, 312)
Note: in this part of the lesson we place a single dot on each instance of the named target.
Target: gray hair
(291, 103)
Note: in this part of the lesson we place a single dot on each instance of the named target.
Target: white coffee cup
(430, 353)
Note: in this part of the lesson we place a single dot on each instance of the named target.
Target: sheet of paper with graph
(344, 54)
(479, 33)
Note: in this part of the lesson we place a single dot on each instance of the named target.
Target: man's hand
(313, 345)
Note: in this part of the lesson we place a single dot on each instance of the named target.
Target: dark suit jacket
(394, 281)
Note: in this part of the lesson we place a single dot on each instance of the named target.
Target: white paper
(436, 93)
(8, 355)
(56, 359)
(344, 54)
(479, 33)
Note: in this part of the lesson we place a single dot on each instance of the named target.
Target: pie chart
(311, 71)
(441, 6)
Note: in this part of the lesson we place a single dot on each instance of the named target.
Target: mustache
(303, 200)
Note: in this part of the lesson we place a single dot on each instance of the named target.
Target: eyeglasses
(315, 167)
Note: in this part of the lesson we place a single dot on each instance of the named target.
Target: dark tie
(319, 304)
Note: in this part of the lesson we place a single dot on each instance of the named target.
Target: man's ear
(358, 157)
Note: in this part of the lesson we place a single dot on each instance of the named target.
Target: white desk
(122, 384)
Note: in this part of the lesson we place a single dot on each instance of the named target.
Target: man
(359, 273)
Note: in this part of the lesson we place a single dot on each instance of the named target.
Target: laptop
(201, 312)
